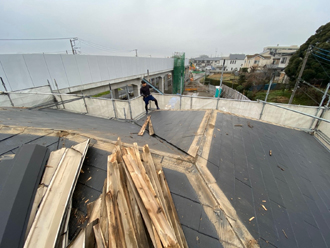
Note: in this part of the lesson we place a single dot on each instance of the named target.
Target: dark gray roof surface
(294, 182)
(108, 129)
(199, 231)
(237, 56)
(176, 127)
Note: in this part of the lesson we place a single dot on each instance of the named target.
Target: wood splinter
(284, 234)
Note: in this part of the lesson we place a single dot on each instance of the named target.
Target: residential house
(233, 62)
(256, 61)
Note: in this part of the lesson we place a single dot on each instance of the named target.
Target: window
(283, 60)
(256, 62)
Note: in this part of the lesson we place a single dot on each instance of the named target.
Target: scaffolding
(178, 73)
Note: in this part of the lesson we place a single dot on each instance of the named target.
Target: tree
(313, 71)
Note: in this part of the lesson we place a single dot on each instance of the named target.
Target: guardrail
(296, 116)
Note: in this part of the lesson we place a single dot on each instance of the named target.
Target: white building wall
(20, 71)
(235, 65)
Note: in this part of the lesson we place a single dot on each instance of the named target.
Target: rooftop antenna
(135, 52)
(73, 45)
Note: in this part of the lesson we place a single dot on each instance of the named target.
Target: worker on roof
(145, 92)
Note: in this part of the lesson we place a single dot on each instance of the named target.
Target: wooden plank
(140, 208)
(64, 234)
(163, 228)
(124, 210)
(89, 235)
(151, 128)
(163, 191)
(143, 128)
(37, 199)
(104, 224)
(148, 223)
(137, 221)
(171, 207)
(79, 241)
(116, 227)
(100, 242)
(93, 210)
(53, 162)
(151, 172)
(137, 158)
(46, 226)
(193, 149)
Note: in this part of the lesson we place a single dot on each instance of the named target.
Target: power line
(321, 57)
(321, 53)
(321, 65)
(101, 46)
(310, 96)
(321, 49)
(38, 39)
(102, 49)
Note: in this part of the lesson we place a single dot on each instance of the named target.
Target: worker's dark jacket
(145, 91)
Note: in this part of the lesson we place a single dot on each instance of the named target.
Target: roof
(237, 56)
(255, 55)
(281, 199)
(211, 59)
(282, 47)
(286, 51)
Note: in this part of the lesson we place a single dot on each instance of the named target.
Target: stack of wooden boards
(50, 212)
(135, 209)
(144, 126)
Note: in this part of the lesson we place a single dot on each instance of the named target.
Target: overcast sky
(159, 28)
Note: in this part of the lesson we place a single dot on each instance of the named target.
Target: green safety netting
(178, 73)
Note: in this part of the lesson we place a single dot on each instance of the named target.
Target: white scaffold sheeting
(122, 109)
(27, 98)
(4, 101)
(71, 104)
(168, 101)
(204, 103)
(100, 107)
(247, 108)
(325, 126)
(185, 102)
(288, 118)
(137, 105)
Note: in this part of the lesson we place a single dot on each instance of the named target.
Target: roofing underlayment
(233, 180)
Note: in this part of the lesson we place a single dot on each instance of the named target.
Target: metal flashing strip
(17, 194)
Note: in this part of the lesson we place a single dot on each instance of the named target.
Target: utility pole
(73, 44)
(136, 52)
(181, 84)
(300, 74)
(223, 68)
(269, 86)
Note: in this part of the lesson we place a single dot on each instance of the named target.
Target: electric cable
(38, 39)
(321, 65)
(321, 49)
